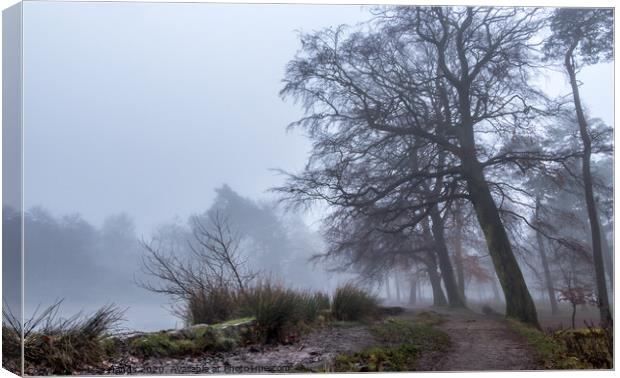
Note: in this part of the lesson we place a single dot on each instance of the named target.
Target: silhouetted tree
(429, 78)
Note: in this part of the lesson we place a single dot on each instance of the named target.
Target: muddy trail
(479, 343)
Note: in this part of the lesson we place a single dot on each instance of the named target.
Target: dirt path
(480, 342)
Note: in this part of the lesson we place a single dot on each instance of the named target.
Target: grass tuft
(59, 346)
(211, 306)
(281, 313)
(351, 303)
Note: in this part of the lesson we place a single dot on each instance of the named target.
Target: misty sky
(147, 107)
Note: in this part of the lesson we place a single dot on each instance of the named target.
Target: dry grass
(351, 303)
(55, 345)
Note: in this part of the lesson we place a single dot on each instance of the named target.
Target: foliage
(401, 358)
(586, 348)
(314, 304)
(353, 303)
(577, 295)
(589, 31)
(395, 110)
(281, 313)
(58, 346)
(213, 306)
(592, 346)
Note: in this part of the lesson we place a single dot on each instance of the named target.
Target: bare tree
(215, 265)
(435, 80)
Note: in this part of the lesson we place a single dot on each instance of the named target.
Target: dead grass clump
(59, 346)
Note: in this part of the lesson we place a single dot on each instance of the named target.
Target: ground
(314, 350)
(477, 342)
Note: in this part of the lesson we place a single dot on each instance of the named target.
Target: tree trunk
(545, 264)
(595, 230)
(439, 298)
(420, 291)
(608, 260)
(458, 253)
(387, 288)
(447, 272)
(496, 296)
(519, 303)
(397, 286)
(413, 290)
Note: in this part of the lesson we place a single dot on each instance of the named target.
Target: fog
(144, 110)
(139, 115)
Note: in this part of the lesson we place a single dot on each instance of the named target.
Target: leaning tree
(454, 80)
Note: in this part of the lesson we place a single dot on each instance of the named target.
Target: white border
(546, 3)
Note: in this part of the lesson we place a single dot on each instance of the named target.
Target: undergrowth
(585, 348)
(54, 345)
(352, 303)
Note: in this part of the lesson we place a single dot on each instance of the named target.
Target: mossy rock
(193, 340)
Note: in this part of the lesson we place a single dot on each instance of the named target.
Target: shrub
(313, 304)
(322, 300)
(592, 346)
(282, 313)
(278, 310)
(586, 348)
(211, 306)
(59, 346)
(350, 303)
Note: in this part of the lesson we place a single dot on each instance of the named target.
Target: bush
(352, 304)
(282, 313)
(586, 348)
(278, 311)
(59, 346)
(592, 346)
(211, 306)
(313, 304)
